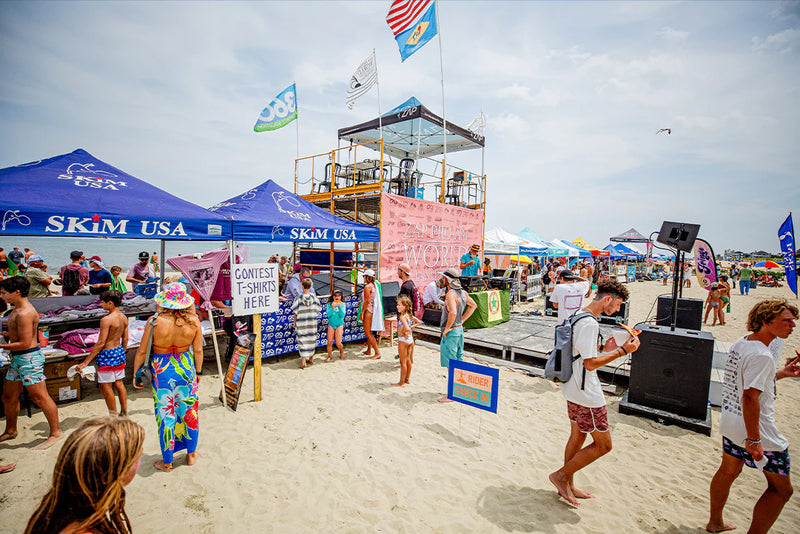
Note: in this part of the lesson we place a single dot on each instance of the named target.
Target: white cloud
(782, 42)
(672, 35)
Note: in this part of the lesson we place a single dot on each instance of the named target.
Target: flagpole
(444, 112)
(378, 83)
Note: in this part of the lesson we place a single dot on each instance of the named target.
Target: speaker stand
(701, 426)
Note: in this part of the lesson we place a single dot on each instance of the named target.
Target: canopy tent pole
(161, 263)
(296, 122)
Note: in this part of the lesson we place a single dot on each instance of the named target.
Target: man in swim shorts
(747, 422)
(27, 361)
(586, 404)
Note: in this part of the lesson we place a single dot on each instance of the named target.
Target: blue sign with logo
(473, 385)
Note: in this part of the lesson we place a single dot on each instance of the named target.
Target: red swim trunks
(588, 419)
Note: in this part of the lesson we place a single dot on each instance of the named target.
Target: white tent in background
(572, 252)
(498, 241)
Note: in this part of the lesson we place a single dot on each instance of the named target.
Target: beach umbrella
(768, 264)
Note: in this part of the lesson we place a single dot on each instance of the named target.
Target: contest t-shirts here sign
(429, 236)
(254, 288)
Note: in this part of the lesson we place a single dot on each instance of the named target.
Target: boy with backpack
(586, 404)
(74, 276)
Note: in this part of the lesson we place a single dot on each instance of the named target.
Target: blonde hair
(182, 316)
(87, 479)
(766, 311)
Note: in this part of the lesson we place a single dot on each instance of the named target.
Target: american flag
(404, 13)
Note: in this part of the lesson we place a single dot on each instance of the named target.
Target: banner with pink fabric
(429, 236)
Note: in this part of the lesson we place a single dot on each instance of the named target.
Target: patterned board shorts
(778, 462)
(27, 366)
(588, 419)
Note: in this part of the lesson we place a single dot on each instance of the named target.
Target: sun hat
(370, 273)
(35, 257)
(453, 278)
(173, 297)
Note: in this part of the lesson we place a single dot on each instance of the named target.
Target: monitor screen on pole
(678, 235)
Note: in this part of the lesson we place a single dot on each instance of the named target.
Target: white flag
(363, 79)
(478, 124)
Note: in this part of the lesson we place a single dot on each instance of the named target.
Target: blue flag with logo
(786, 239)
(413, 24)
(279, 112)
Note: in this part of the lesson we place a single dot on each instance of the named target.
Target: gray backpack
(559, 363)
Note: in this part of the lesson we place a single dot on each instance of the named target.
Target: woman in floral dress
(177, 338)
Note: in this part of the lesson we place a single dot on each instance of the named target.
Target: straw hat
(174, 297)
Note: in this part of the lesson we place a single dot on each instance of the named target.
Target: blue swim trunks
(27, 366)
(778, 462)
(451, 347)
(111, 359)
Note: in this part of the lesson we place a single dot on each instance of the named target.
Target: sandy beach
(336, 447)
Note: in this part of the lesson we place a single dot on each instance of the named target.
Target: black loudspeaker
(390, 291)
(678, 235)
(432, 317)
(501, 283)
(690, 313)
(671, 371)
(549, 309)
(620, 317)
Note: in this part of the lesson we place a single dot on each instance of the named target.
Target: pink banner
(705, 263)
(429, 236)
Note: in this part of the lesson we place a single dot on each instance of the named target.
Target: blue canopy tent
(78, 195)
(269, 212)
(553, 250)
(620, 251)
(582, 252)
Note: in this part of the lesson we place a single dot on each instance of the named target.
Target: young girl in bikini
(405, 340)
(713, 302)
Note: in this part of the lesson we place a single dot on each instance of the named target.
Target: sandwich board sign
(473, 385)
(235, 375)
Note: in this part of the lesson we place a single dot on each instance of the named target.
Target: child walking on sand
(713, 302)
(306, 307)
(336, 311)
(405, 340)
(110, 352)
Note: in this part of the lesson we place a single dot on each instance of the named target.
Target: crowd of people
(171, 353)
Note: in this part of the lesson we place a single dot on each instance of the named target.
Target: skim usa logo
(83, 175)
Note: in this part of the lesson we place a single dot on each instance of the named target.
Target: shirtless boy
(110, 352)
(27, 361)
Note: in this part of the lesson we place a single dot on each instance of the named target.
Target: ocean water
(125, 252)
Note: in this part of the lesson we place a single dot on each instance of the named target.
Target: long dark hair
(87, 484)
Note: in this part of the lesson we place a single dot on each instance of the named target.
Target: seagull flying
(668, 130)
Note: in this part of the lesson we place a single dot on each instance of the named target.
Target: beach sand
(336, 447)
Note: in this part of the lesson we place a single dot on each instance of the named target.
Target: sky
(573, 93)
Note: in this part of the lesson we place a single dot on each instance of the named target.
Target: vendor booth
(269, 212)
(78, 195)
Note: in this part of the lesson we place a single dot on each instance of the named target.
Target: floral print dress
(176, 402)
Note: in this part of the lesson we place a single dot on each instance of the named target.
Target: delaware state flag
(413, 23)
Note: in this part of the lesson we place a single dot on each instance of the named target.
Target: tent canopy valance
(411, 130)
(574, 251)
(78, 195)
(269, 212)
(553, 250)
(500, 238)
(620, 251)
(631, 236)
